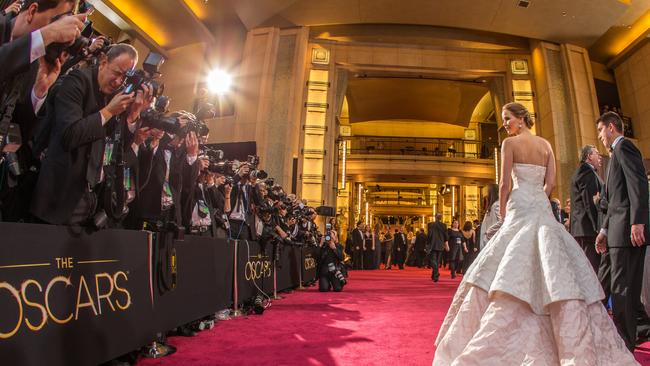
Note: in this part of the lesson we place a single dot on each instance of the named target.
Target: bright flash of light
(219, 81)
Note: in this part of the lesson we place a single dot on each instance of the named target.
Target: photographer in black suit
(82, 116)
(329, 263)
(24, 39)
(585, 185)
(25, 80)
(241, 217)
(624, 232)
(437, 239)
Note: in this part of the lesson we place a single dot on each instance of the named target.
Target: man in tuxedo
(624, 232)
(399, 247)
(585, 185)
(438, 242)
(358, 245)
(420, 248)
(80, 147)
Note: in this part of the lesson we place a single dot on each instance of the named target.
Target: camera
(136, 79)
(253, 161)
(331, 267)
(328, 232)
(54, 50)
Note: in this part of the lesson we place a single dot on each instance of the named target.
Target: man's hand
(601, 243)
(46, 76)
(117, 105)
(141, 135)
(596, 198)
(13, 8)
(142, 100)
(446, 246)
(204, 163)
(64, 30)
(332, 245)
(335, 236)
(192, 144)
(98, 43)
(638, 235)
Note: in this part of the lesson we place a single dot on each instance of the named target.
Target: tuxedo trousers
(621, 274)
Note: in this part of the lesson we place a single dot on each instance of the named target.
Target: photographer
(24, 40)
(22, 94)
(164, 165)
(329, 263)
(81, 145)
(219, 196)
(241, 218)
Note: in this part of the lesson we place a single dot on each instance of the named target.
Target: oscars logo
(99, 293)
(310, 262)
(257, 267)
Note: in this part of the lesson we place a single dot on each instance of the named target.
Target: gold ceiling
(446, 101)
(607, 26)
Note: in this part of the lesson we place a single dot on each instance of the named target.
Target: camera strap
(115, 191)
(7, 111)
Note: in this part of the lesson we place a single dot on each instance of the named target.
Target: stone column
(555, 115)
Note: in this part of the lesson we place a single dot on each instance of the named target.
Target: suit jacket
(357, 239)
(77, 143)
(152, 170)
(437, 235)
(14, 55)
(627, 194)
(420, 242)
(584, 214)
(399, 242)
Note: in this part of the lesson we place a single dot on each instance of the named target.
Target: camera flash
(219, 81)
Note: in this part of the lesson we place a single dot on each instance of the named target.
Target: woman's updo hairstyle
(519, 111)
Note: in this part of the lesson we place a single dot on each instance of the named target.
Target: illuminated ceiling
(446, 101)
(607, 26)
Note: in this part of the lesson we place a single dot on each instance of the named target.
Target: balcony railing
(451, 148)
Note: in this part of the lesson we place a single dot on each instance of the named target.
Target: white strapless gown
(531, 296)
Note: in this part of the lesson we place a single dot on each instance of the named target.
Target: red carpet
(381, 318)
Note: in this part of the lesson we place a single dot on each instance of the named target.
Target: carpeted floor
(381, 318)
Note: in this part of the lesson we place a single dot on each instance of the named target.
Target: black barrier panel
(254, 270)
(288, 276)
(70, 298)
(203, 282)
(309, 263)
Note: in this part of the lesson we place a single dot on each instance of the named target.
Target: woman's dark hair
(468, 226)
(492, 196)
(519, 111)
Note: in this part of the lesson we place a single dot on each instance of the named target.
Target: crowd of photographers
(87, 141)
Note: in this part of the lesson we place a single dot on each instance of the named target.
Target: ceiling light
(219, 81)
(523, 3)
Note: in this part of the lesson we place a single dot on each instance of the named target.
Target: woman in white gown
(530, 297)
